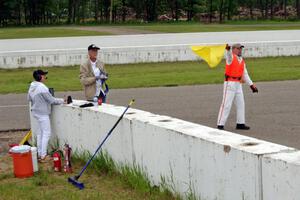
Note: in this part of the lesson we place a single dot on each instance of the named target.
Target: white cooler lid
(20, 149)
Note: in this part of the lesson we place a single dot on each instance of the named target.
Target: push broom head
(75, 182)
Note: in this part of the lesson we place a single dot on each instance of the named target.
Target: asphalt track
(273, 114)
(122, 41)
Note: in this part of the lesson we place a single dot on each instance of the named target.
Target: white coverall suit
(233, 91)
(41, 101)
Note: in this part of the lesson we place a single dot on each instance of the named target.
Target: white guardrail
(191, 158)
(136, 54)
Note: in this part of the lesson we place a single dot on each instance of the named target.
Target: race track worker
(235, 74)
(41, 101)
(92, 74)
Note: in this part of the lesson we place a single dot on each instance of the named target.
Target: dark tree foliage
(43, 12)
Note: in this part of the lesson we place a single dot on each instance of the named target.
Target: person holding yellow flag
(235, 74)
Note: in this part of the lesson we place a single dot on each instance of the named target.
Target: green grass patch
(165, 27)
(230, 26)
(44, 32)
(47, 184)
(153, 74)
(133, 177)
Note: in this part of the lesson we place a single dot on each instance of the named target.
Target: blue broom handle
(108, 134)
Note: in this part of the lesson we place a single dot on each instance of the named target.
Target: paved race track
(80, 43)
(273, 114)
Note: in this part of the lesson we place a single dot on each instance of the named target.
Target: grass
(164, 27)
(102, 180)
(153, 74)
(44, 32)
(134, 177)
(230, 26)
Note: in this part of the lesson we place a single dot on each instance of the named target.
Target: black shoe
(220, 127)
(242, 127)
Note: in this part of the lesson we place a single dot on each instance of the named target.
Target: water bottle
(34, 159)
(95, 100)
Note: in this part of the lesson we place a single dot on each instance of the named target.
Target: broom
(74, 180)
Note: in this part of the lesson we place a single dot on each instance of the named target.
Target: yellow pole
(26, 137)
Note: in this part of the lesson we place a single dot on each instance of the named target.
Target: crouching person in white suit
(41, 101)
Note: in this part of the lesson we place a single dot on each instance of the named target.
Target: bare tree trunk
(1, 17)
(25, 13)
(96, 10)
(171, 5)
(83, 11)
(298, 8)
(190, 10)
(272, 8)
(285, 13)
(124, 10)
(106, 10)
(44, 15)
(101, 11)
(111, 11)
(151, 10)
(266, 9)
(114, 13)
(210, 11)
(251, 11)
(229, 9)
(75, 11)
(261, 8)
(70, 11)
(221, 11)
(19, 13)
(176, 10)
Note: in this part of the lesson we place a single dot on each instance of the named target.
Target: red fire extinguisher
(57, 161)
(67, 155)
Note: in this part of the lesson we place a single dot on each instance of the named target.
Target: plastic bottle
(95, 100)
(34, 159)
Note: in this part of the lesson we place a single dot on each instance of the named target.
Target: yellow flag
(211, 54)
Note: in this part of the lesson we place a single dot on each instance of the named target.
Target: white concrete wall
(135, 54)
(214, 164)
(281, 176)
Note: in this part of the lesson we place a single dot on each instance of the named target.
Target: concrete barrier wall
(189, 157)
(281, 176)
(135, 54)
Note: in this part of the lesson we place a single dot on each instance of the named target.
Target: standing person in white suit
(41, 101)
(235, 74)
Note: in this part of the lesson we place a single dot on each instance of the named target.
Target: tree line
(42, 12)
